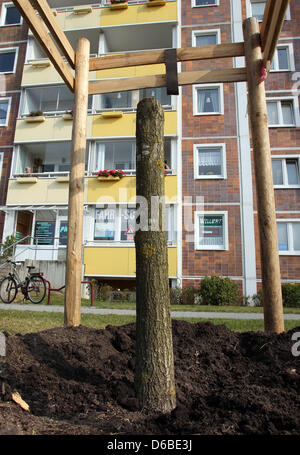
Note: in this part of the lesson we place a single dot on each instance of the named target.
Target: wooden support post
(154, 379)
(273, 310)
(76, 187)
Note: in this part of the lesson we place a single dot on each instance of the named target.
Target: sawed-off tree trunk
(154, 380)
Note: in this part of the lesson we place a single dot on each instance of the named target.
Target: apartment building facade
(211, 214)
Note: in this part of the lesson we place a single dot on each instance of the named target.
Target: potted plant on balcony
(118, 4)
(35, 116)
(114, 174)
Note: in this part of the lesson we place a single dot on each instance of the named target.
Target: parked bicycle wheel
(8, 289)
(36, 289)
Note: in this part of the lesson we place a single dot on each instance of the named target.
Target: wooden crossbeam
(159, 80)
(153, 57)
(45, 40)
(274, 15)
(50, 20)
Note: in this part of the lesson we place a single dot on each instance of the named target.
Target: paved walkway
(178, 314)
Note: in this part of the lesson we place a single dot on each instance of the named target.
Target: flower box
(112, 114)
(27, 179)
(118, 5)
(82, 9)
(110, 178)
(41, 63)
(67, 117)
(35, 119)
(156, 3)
(63, 179)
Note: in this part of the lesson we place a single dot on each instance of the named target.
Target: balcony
(119, 261)
(44, 191)
(124, 190)
(126, 125)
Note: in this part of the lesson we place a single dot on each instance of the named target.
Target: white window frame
(289, 222)
(249, 10)
(291, 60)
(4, 9)
(8, 110)
(222, 147)
(10, 49)
(283, 159)
(1, 163)
(205, 86)
(294, 100)
(215, 31)
(202, 6)
(199, 213)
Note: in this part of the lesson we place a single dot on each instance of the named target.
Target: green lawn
(58, 300)
(30, 321)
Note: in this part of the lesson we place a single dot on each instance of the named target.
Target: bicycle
(33, 287)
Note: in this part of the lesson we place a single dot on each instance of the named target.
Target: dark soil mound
(81, 381)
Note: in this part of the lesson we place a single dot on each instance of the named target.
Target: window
(258, 9)
(4, 111)
(286, 172)
(281, 112)
(205, 2)
(51, 100)
(209, 161)
(206, 38)
(283, 58)
(211, 231)
(118, 224)
(10, 15)
(208, 99)
(288, 236)
(130, 99)
(121, 154)
(159, 93)
(8, 60)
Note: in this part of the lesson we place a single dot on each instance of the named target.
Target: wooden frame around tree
(258, 48)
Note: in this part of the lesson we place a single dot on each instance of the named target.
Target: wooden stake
(273, 310)
(76, 187)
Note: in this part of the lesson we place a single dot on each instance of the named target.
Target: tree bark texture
(155, 384)
(270, 266)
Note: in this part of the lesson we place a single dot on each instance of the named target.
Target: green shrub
(291, 295)
(7, 246)
(176, 296)
(215, 290)
(188, 295)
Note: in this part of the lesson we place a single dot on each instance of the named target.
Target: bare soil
(80, 381)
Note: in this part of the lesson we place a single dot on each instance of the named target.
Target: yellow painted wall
(37, 76)
(70, 21)
(43, 192)
(126, 125)
(52, 128)
(118, 261)
(139, 14)
(123, 190)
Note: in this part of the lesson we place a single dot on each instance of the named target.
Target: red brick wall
(207, 129)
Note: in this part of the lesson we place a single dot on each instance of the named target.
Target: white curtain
(208, 100)
(100, 157)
